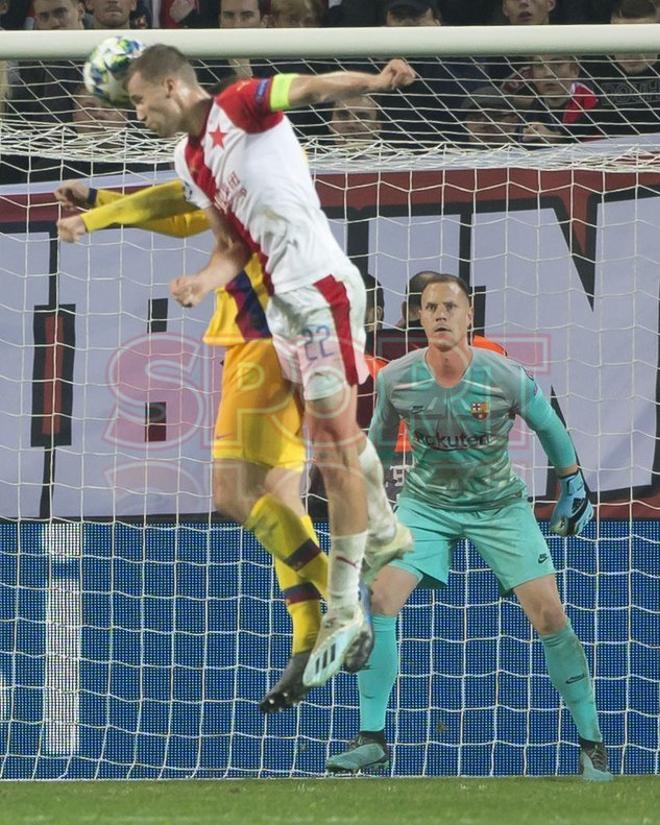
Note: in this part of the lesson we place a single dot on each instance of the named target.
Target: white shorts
(318, 333)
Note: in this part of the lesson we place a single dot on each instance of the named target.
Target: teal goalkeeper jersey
(460, 435)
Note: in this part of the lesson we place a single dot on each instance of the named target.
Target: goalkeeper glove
(573, 510)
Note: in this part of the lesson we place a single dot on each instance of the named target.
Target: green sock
(375, 683)
(569, 672)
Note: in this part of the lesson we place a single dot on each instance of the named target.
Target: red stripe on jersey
(199, 171)
(244, 233)
(335, 294)
(247, 104)
(205, 179)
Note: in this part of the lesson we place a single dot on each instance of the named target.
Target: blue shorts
(507, 538)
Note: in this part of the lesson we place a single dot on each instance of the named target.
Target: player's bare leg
(568, 669)
(237, 486)
(345, 637)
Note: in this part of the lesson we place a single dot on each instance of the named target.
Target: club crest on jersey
(480, 410)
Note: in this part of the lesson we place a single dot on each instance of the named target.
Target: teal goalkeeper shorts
(507, 538)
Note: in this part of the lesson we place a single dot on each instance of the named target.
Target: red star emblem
(218, 137)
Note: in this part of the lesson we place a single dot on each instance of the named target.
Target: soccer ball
(105, 69)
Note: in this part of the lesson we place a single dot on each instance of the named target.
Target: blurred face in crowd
(92, 115)
(491, 128)
(553, 76)
(409, 16)
(295, 14)
(528, 12)
(634, 63)
(139, 21)
(373, 315)
(111, 14)
(411, 307)
(446, 315)
(356, 118)
(240, 14)
(50, 15)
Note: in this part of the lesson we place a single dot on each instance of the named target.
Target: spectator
(111, 14)
(294, 14)
(9, 76)
(584, 11)
(50, 15)
(412, 13)
(43, 91)
(430, 111)
(141, 18)
(356, 119)
(411, 308)
(14, 14)
(628, 84)
(490, 119)
(375, 310)
(372, 12)
(91, 115)
(373, 325)
(308, 122)
(241, 14)
(514, 74)
(564, 106)
(235, 14)
(474, 13)
(528, 12)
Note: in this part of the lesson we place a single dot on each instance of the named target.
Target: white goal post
(139, 631)
(423, 41)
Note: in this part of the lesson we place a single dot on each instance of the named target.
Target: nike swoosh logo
(572, 679)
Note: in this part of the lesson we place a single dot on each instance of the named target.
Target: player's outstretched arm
(310, 89)
(162, 208)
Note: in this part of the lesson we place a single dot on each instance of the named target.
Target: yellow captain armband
(279, 91)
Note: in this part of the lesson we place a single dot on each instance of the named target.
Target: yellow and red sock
(303, 604)
(290, 539)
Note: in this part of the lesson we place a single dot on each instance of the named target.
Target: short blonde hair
(297, 7)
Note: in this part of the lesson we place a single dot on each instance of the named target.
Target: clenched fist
(71, 229)
(72, 194)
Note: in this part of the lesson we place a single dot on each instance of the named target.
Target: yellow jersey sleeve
(161, 208)
(240, 309)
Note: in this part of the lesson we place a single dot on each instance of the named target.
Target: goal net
(138, 631)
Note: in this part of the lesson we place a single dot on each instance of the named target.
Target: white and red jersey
(247, 162)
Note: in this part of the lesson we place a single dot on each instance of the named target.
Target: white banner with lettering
(567, 263)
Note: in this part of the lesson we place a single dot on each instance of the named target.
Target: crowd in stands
(483, 102)
(21, 14)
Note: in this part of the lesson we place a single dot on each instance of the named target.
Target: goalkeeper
(258, 442)
(459, 404)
